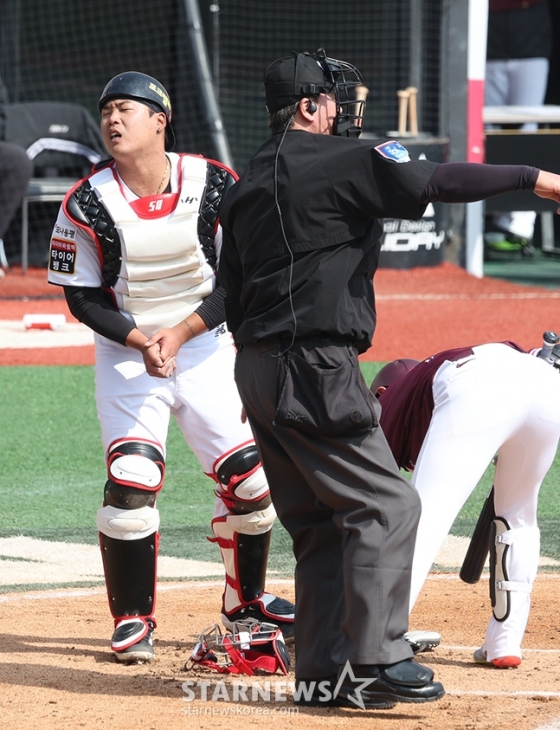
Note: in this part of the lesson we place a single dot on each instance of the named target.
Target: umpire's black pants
(352, 518)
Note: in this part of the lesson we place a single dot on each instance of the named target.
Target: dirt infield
(57, 672)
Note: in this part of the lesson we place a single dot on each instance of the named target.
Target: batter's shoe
(502, 662)
(381, 686)
(422, 640)
(132, 641)
(269, 609)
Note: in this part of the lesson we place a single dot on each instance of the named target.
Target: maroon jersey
(408, 404)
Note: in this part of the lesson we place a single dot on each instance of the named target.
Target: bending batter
(446, 418)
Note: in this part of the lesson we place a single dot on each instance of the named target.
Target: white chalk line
(455, 576)
(85, 592)
(189, 585)
(496, 693)
(451, 647)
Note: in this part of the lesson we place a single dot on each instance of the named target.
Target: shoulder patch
(62, 257)
(393, 150)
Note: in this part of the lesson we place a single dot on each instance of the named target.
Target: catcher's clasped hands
(159, 353)
(160, 349)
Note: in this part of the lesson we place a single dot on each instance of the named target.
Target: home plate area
(43, 332)
(57, 670)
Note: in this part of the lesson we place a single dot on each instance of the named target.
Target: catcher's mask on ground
(390, 373)
(289, 79)
(252, 646)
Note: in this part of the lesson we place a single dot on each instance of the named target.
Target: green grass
(52, 482)
(53, 472)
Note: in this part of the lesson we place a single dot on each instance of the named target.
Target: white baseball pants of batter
(497, 401)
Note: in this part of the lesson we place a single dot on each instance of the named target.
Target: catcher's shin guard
(130, 575)
(244, 542)
(128, 533)
(514, 555)
(243, 536)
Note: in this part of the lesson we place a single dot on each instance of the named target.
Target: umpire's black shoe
(378, 686)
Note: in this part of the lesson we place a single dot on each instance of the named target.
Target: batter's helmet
(392, 372)
(287, 80)
(143, 88)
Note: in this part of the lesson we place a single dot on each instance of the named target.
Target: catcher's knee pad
(242, 482)
(136, 470)
(244, 542)
(514, 556)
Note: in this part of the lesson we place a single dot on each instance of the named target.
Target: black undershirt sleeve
(94, 308)
(465, 182)
(212, 310)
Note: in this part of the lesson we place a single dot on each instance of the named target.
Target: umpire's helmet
(289, 79)
(392, 372)
(143, 88)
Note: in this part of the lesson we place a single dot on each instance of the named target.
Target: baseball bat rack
(407, 113)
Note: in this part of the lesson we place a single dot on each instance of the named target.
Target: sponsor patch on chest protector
(393, 150)
(63, 256)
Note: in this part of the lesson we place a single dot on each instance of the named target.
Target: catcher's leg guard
(243, 536)
(128, 533)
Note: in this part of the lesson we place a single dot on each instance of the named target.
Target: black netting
(67, 51)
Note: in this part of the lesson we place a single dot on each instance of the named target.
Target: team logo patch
(160, 92)
(62, 257)
(393, 150)
(155, 206)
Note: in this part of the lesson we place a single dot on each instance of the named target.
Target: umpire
(301, 245)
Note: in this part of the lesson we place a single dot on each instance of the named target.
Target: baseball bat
(361, 92)
(403, 96)
(479, 546)
(413, 110)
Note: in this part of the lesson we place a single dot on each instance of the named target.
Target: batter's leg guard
(514, 558)
(502, 568)
(244, 540)
(128, 533)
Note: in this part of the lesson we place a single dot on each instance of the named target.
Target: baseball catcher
(135, 247)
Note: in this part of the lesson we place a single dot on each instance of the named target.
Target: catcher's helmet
(289, 79)
(392, 372)
(143, 88)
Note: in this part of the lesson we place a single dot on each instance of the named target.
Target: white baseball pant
(497, 401)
